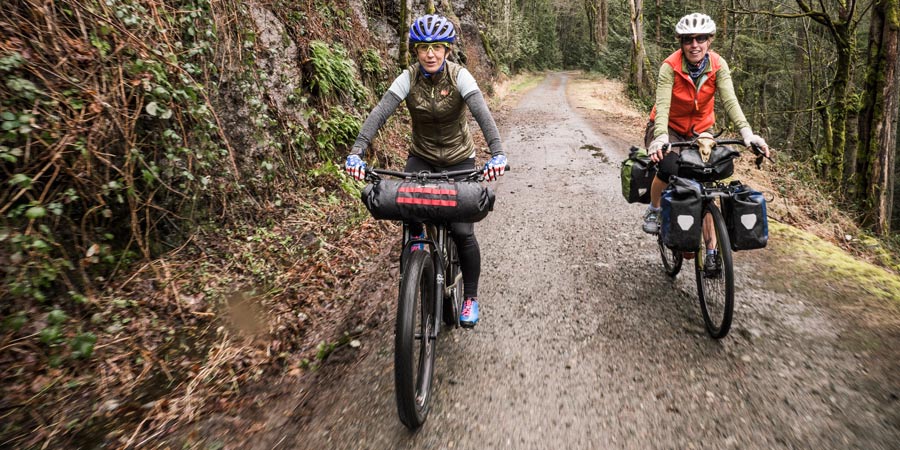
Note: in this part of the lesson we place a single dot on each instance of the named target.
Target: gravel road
(585, 343)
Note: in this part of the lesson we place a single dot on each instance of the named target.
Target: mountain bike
(715, 289)
(431, 293)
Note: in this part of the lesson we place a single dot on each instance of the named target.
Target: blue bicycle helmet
(432, 28)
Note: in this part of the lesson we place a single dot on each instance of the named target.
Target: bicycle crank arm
(450, 285)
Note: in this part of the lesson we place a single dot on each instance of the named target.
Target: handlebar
(756, 149)
(473, 174)
(424, 174)
(694, 143)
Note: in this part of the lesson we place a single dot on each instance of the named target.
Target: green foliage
(372, 66)
(612, 59)
(82, 345)
(373, 70)
(339, 129)
(334, 73)
(526, 39)
(15, 322)
(325, 349)
(335, 172)
(11, 61)
(128, 136)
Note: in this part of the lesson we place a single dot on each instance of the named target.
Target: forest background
(175, 226)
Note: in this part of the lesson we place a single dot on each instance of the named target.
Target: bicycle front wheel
(414, 342)
(715, 284)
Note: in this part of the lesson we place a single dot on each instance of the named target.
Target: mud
(585, 343)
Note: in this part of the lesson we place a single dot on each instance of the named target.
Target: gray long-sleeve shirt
(398, 91)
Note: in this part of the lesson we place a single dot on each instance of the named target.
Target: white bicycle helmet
(695, 23)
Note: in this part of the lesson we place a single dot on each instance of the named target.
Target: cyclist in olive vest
(437, 92)
(688, 82)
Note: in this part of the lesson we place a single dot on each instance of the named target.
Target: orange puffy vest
(691, 108)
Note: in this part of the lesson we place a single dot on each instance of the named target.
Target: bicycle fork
(438, 299)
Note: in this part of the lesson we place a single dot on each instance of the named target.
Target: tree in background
(874, 174)
(796, 64)
(638, 82)
(521, 35)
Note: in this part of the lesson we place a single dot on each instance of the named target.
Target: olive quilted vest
(440, 129)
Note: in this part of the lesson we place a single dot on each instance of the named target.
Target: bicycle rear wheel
(671, 259)
(414, 345)
(716, 288)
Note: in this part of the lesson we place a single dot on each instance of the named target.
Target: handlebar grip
(756, 148)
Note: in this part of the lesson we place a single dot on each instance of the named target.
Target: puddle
(596, 152)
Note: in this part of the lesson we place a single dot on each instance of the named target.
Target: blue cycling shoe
(469, 316)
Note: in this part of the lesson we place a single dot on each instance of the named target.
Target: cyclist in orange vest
(688, 82)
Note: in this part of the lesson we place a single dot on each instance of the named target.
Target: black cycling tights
(463, 233)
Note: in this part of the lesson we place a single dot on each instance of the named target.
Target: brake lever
(371, 176)
(664, 149)
(760, 156)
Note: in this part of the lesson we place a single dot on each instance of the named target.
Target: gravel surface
(585, 343)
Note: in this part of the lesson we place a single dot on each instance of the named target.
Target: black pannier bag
(746, 219)
(719, 166)
(637, 176)
(681, 204)
(428, 201)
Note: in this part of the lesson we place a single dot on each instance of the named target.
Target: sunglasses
(431, 46)
(700, 38)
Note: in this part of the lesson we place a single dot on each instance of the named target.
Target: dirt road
(584, 343)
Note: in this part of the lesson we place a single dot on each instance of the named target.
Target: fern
(334, 73)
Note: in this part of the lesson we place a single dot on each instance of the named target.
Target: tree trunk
(506, 18)
(603, 23)
(834, 162)
(658, 16)
(637, 80)
(811, 86)
(896, 207)
(849, 177)
(874, 169)
(762, 113)
(590, 12)
(831, 156)
(799, 85)
(403, 32)
(732, 37)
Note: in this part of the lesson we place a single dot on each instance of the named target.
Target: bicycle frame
(423, 275)
(713, 234)
(437, 241)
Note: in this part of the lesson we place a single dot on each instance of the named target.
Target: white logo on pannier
(685, 222)
(748, 220)
(642, 191)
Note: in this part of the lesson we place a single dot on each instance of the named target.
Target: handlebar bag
(682, 204)
(428, 201)
(746, 219)
(637, 176)
(719, 166)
